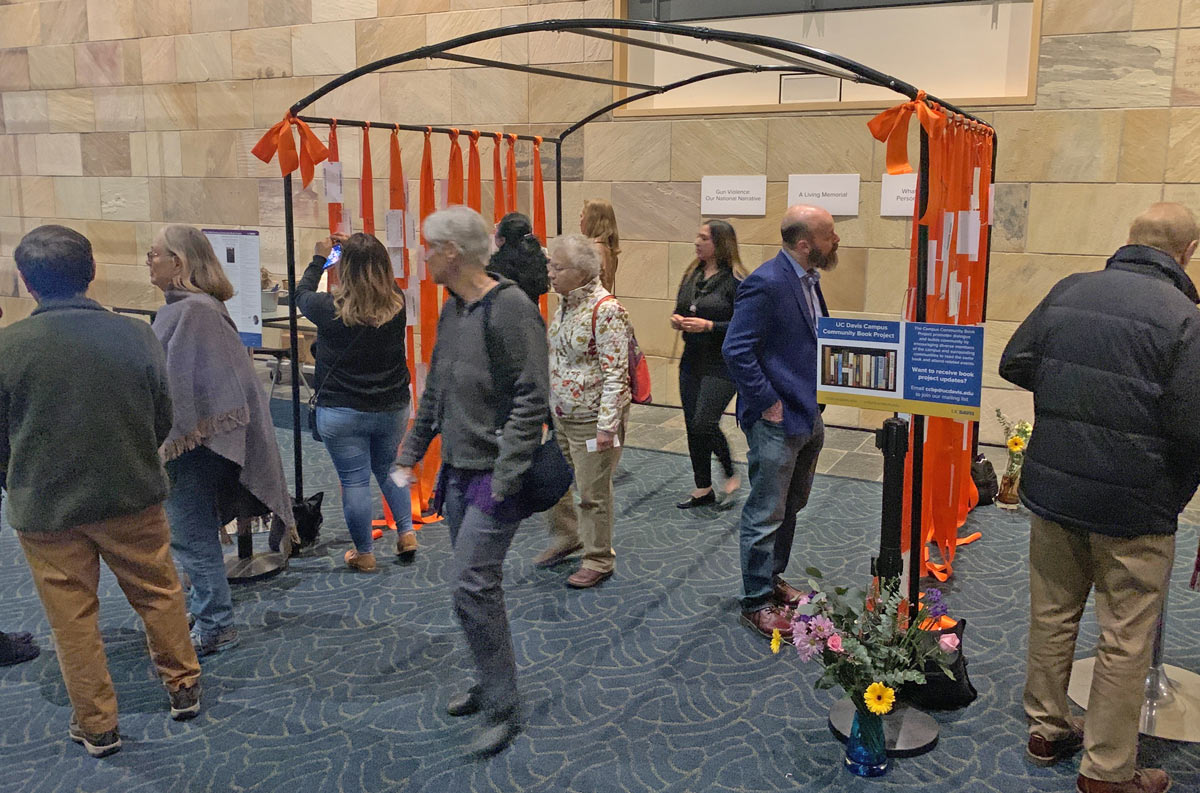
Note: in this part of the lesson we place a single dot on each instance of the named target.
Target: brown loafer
(767, 621)
(1046, 753)
(406, 546)
(552, 556)
(362, 562)
(584, 578)
(784, 594)
(1145, 780)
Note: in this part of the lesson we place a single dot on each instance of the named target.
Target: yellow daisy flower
(879, 698)
(1016, 444)
(776, 640)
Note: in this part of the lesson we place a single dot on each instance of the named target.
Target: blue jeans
(361, 444)
(781, 472)
(198, 478)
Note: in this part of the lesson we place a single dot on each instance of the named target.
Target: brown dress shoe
(552, 556)
(784, 594)
(406, 546)
(767, 620)
(1046, 753)
(584, 578)
(1145, 780)
(362, 562)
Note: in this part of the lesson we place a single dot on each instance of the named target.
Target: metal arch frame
(810, 61)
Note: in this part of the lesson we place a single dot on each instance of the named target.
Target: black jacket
(1113, 360)
(711, 299)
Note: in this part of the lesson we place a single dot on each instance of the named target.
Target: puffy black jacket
(1113, 360)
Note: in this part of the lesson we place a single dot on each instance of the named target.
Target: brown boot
(586, 578)
(1145, 780)
(1046, 753)
(406, 546)
(362, 562)
(768, 620)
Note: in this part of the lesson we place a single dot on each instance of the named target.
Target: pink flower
(834, 643)
(948, 642)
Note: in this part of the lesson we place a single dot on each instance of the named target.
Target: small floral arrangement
(866, 642)
(1016, 438)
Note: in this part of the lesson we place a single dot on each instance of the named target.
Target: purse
(639, 368)
(939, 692)
(312, 400)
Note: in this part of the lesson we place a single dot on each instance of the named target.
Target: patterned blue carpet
(647, 683)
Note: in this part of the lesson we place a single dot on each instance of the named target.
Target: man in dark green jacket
(83, 409)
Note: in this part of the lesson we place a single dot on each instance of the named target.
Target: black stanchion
(892, 440)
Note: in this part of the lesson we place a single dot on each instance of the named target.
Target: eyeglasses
(153, 254)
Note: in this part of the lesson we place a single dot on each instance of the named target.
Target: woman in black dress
(703, 309)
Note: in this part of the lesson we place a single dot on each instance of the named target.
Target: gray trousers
(480, 543)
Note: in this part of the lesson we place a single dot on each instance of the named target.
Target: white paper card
(973, 233)
(931, 268)
(395, 228)
(947, 234)
(836, 193)
(591, 443)
(955, 297)
(898, 195)
(733, 195)
(412, 306)
(962, 246)
(991, 202)
(333, 182)
(397, 257)
(421, 263)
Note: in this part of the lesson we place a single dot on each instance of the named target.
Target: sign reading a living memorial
(836, 193)
(903, 367)
(238, 252)
(733, 195)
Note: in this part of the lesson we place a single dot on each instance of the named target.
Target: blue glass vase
(866, 750)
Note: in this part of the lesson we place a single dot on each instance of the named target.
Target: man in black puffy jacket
(1113, 360)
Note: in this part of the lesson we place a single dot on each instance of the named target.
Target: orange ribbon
(539, 210)
(396, 199)
(891, 126)
(278, 139)
(366, 186)
(335, 207)
(510, 165)
(498, 209)
(474, 180)
(454, 174)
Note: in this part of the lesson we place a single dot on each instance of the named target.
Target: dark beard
(823, 261)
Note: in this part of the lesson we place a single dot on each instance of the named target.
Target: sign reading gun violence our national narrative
(904, 367)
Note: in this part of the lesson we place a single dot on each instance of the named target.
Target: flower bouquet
(1016, 438)
(869, 645)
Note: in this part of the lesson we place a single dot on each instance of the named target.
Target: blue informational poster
(903, 367)
(238, 252)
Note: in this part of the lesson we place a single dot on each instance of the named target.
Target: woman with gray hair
(589, 376)
(486, 395)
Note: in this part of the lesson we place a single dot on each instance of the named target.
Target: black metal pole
(892, 440)
(918, 447)
(987, 269)
(558, 205)
(290, 241)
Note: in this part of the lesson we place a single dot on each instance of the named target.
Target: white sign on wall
(836, 193)
(733, 195)
(898, 196)
(238, 252)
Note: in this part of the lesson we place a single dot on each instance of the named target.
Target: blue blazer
(771, 347)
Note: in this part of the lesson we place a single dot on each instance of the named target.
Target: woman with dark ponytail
(520, 257)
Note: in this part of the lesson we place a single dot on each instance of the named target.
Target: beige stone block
(1189, 13)
(164, 154)
(1069, 146)
(868, 229)
(327, 48)
(158, 59)
(8, 154)
(555, 47)
(515, 49)
(272, 98)
(27, 155)
(656, 210)
(20, 25)
(26, 112)
(335, 10)
(209, 152)
(35, 196)
(14, 69)
(652, 323)
(212, 15)
(1186, 89)
(119, 109)
(595, 49)
(443, 27)
(52, 67)
(417, 97)
(113, 19)
(490, 96)
(106, 154)
(16, 309)
(713, 147)
(101, 63)
(170, 106)
(389, 8)
(643, 271)
(1183, 157)
(250, 166)
(763, 230)
(266, 13)
(128, 286)
(77, 197)
(71, 110)
(1144, 139)
(165, 17)
(1095, 16)
(380, 38)
(204, 56)
(556, 99)
(125, 198)
(64, 21)
(225, 105)
(996, 335)
(469, 5)
(308, 207)
(1016, 404)
(199, 201)
(627, 150)
(1018, 282)
(818, 144)
(886, 281)
(1009, 217)
(1155, 14)
(844, 287)
(1090, 70)
(59, 155)
(266, 52)
(1063, 218)
(359, 99)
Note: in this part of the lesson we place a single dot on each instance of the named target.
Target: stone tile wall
(117, 116)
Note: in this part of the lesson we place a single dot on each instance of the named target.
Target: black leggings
(704, 398)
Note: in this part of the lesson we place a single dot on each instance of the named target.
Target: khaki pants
(591, 521)
(66, 572)
(1130, 577)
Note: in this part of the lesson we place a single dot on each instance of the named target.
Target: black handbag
(939, 692)
(984, 476)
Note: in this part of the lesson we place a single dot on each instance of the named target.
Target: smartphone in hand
(335, 256)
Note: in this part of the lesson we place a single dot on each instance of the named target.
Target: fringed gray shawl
(218, 401)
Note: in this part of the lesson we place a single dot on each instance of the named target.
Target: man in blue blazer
(771, 353)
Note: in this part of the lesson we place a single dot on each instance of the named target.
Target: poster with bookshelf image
(859, 367)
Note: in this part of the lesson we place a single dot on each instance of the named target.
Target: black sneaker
(97, 744)
(185, 703)
(209, 643)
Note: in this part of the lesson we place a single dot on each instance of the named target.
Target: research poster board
(238, 252)
(903, 367)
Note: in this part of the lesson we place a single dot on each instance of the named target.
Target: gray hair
(462, 227)
(579, 252)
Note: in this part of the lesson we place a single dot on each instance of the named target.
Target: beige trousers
(590, 521)
(1130, 578)
(66, 572)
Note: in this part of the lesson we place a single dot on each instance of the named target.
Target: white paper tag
(397, 257)
(412, 306)
(333, 182)
(421, 263)
(991, 202)
(964, 219)
(591, 443)
(947, 235)
(973, 234)
(395, 228)
(955, 297)
(931, 268)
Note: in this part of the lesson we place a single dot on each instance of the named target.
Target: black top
(1113, 360)
(712, 299)
(370, 372)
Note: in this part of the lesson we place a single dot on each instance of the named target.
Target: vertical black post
(290, 240)
(987, 270)
(915, 549)
(558, 187)
(892, 439)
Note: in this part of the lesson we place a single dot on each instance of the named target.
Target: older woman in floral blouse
(589, 394)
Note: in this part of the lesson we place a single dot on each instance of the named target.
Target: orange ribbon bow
(891, 126)
(279, 139)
